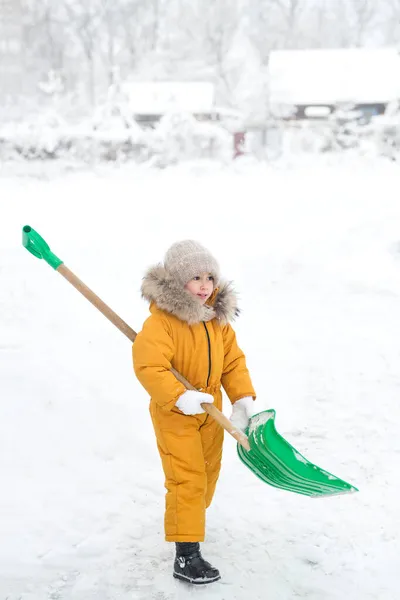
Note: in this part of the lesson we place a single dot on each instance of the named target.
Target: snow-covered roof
(163, 96)
(328, 76)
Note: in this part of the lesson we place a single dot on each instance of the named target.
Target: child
(189, 330)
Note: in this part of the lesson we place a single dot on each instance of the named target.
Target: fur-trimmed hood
(159, 287)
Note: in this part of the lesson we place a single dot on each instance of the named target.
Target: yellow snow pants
(190, 448)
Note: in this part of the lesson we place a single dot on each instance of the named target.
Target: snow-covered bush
(385, 130)
(44, 138)
(50, 137)
(304, 137)
(387, 136)
(113, 135)
(344, 129)
(180, 136)
(110, 135)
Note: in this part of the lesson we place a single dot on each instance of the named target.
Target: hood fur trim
(159, 287)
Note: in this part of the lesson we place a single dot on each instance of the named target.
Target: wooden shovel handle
(131, 334)
(97, 302)
(216, 414)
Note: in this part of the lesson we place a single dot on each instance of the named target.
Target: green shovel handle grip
(36, 245)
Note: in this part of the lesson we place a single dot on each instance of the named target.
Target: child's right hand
(190, 402)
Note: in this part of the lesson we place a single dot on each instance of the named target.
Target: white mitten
(190, 402)
(242, 410)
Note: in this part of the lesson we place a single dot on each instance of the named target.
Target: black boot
(190, 566)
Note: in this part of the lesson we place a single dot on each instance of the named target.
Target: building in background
(313, 84)
(150, 100)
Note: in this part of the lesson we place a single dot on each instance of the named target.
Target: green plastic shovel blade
(279, 464)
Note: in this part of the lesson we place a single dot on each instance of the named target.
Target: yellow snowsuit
(198, 342)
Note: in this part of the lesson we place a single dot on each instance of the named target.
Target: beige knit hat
(187, 259)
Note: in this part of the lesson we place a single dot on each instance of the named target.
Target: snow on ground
(315, 253)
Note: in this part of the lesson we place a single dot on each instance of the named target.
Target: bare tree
(45, 41)
(291, 11)
(391, 21)
(130, 18)
(53, 41)
(219, 26)
(85, 17)
(261, 26)
(362, 14)
(155, 6)
(109, 42)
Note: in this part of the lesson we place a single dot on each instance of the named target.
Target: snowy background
(314, 249)
(84, 43)
(71, 74)
(307, 223)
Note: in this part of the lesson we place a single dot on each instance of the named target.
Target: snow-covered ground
(315, 253)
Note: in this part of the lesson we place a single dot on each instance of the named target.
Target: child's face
(201, 287)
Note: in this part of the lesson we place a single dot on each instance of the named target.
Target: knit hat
(187, 259)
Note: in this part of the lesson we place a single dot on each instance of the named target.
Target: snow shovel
(267, 454)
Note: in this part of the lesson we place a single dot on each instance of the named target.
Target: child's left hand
(242, 410)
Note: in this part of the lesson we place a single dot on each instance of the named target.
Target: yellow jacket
(196, 340)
